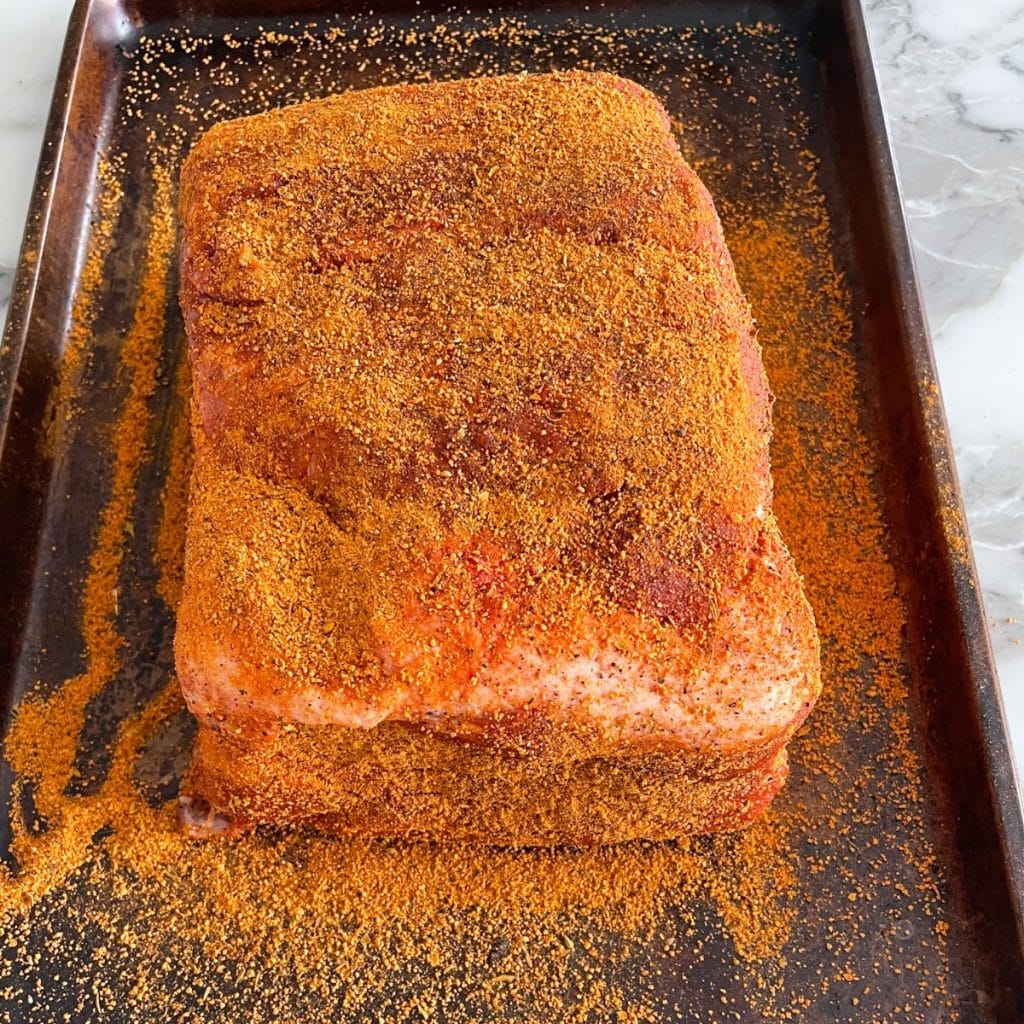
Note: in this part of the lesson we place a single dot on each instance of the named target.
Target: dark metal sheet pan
(51, 497)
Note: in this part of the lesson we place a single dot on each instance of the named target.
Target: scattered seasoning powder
(47, 729)
(832, 901)
(78, 345)
(169, 553)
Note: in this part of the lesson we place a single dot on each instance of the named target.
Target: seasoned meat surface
(481, 437)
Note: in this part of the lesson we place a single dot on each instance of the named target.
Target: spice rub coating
(481, 436)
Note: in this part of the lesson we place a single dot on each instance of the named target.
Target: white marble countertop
(952, 76)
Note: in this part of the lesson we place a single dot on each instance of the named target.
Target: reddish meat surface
(480, 541)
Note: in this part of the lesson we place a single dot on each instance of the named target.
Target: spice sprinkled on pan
(118, 918)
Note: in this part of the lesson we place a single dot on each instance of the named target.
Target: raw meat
(480, 540)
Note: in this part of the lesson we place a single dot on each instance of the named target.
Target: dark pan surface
(905, 841)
